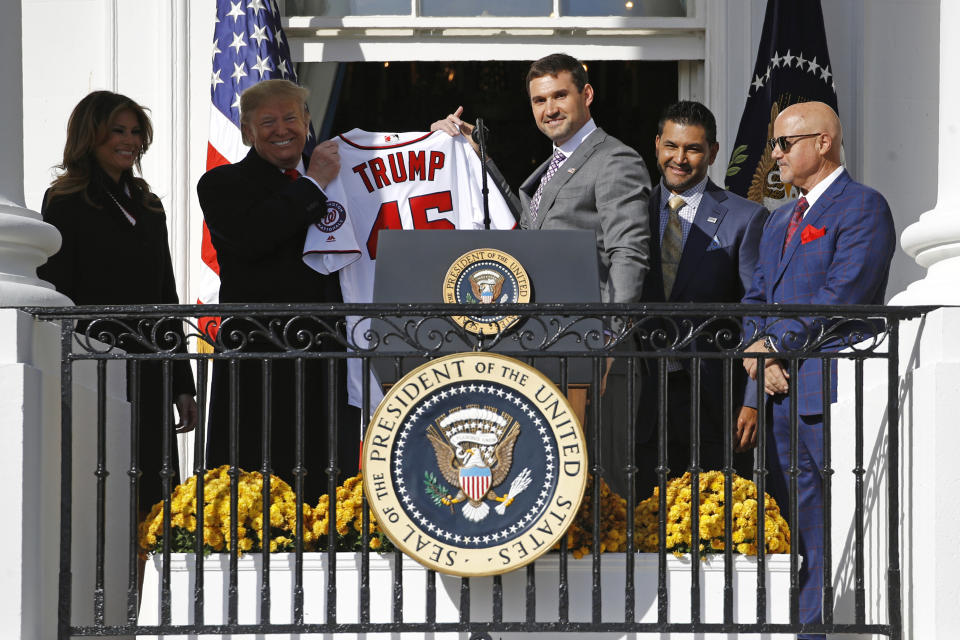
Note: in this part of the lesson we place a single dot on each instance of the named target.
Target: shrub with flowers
(711, 499)
(613, 519)
(349, 520)
(283, 510)
(613, 523)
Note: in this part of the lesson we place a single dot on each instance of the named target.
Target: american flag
(248, 46)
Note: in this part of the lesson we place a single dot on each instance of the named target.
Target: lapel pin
(711, 219)
(573, 170)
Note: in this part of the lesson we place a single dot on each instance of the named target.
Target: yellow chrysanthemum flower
(215, 500)
(711, 501)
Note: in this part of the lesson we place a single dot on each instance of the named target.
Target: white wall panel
(155, 51)
(65, 56)
(899, 96)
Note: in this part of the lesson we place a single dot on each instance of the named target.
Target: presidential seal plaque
(486, 277)
(474, 464)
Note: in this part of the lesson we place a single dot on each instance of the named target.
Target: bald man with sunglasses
(832, 246)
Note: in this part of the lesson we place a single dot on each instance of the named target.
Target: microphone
(480, 133)
(479, 136)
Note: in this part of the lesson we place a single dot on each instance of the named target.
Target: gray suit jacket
(603, 187)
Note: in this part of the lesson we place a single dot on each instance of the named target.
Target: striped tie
(555, 163)
(672, 245)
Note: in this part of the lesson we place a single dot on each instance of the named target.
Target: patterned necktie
(798, 212)
(555, 163)
(671, 245)
(292, 174)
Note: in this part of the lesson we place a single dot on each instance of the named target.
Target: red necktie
(292, 174)
(798, 212)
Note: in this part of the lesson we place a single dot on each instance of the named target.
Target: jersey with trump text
(399, 181)
(410, 180)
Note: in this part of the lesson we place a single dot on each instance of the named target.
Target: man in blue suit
(832, 246)
(704, 248)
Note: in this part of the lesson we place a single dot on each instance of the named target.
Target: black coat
(104, 259)
(258, 221)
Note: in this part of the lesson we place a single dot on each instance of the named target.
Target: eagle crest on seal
(474, 451)
(486, 285)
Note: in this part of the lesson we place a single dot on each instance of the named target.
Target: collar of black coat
(124, 193)
(254, 159)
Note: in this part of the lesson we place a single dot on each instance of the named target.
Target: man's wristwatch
(768, 344)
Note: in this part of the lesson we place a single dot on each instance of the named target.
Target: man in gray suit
(591, 181)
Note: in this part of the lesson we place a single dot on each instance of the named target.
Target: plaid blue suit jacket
(843, 258)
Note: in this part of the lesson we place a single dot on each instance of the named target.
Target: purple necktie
(798, 212)
(555, 163)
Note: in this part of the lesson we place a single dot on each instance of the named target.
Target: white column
(30, 477)
(934, 240)
(25, 240)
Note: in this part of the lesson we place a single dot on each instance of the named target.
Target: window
(486, 8)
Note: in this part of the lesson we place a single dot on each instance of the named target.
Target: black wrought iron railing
(570, 343)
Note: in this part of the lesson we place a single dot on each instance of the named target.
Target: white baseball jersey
(394, 181)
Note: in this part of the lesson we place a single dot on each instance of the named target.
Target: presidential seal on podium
(486, 277)
(474, 464)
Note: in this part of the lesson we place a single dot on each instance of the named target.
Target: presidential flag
(792, 66)
(248, 46)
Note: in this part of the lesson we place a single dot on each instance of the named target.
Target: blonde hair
(268, 90)
(86, 129)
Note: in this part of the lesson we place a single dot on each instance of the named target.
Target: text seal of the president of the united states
(474, 464)
(486, 278)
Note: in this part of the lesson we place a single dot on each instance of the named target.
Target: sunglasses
(785, 143)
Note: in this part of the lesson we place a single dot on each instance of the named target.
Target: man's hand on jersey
(453, 126)
(324, 162)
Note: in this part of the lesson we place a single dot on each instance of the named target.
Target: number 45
(388, 217)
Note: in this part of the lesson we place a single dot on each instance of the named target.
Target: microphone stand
(479, 136)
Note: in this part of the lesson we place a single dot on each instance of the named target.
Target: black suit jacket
(258, 222)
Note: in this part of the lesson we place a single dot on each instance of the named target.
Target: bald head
(817, 116)
(814, 136)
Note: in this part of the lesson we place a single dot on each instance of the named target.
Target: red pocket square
(811, 233)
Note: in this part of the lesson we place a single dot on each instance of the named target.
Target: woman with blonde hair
(115, 252)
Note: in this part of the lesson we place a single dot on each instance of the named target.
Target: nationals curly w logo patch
(334, 218)
(474, 464)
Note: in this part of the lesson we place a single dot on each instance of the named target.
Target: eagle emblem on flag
(474, 451)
